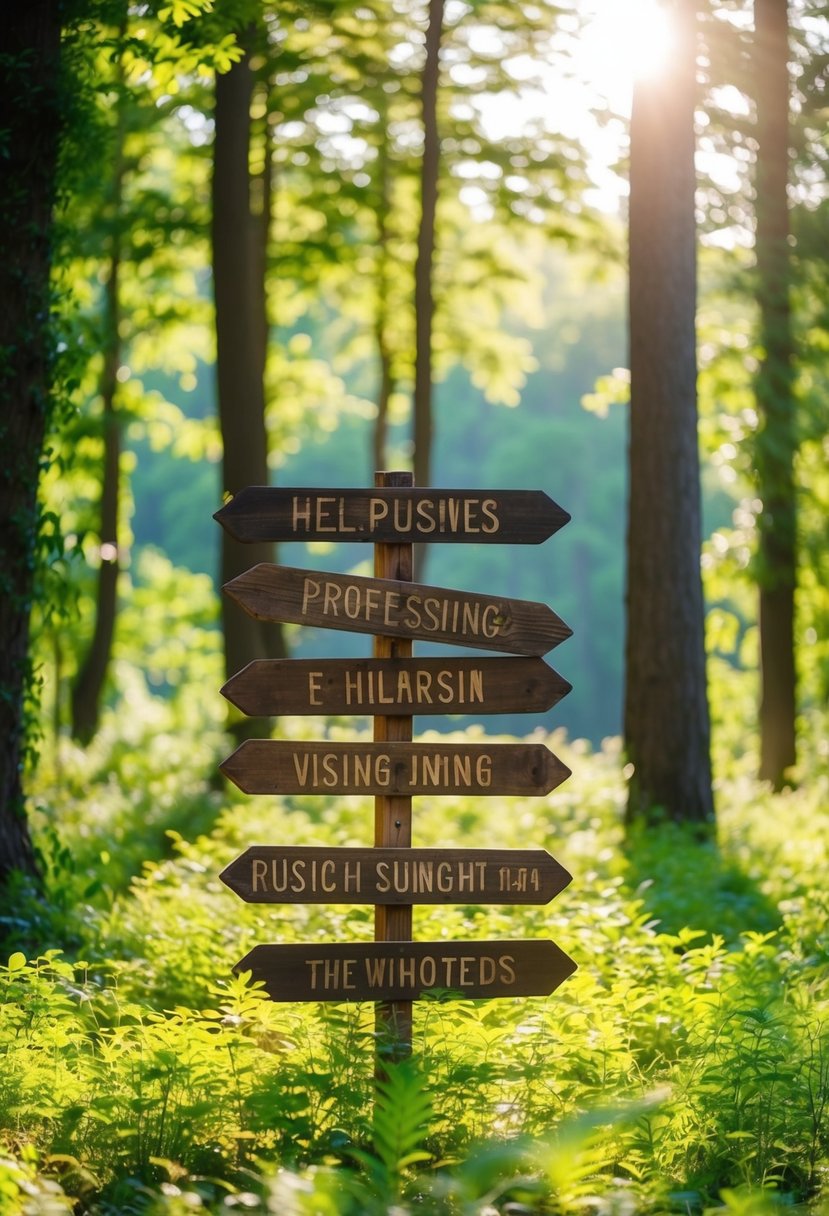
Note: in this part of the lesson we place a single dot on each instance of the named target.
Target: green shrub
(699, 1007)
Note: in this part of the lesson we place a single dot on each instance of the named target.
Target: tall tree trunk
(88, 688)
(261, 217)
(774, 386)
(385, 385)
(238, 268)
(666, 719)
(385, 388)
(30, 118)
(424, 296)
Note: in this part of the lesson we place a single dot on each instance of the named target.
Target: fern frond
(402, 1117)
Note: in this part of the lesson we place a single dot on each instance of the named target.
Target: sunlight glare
(619, 41)
(627, 42)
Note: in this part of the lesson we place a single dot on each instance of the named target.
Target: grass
(684, 1066)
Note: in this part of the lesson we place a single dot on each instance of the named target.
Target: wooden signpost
(392, 687)
(403, 971)
(392, 514)
(271, 766)
(393, 608)
(307, 874)
(395, 686)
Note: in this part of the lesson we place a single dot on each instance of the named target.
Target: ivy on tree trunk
(88, 688)
(30, 120)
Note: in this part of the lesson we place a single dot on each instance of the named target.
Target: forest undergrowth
(683, 1067)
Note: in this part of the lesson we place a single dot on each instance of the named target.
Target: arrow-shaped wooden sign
(273, 766)
(397, 609)
(395, 686)
(294, 874)
(404, 971)
(272, 513)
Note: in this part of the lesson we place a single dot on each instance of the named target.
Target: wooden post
(393, 814)
(394, 970)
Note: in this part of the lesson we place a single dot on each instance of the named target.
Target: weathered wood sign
(269, 874)
(392, 687)
(404, 971)
(272, 513)
(395, 686)
(397, 609)
(274, 766)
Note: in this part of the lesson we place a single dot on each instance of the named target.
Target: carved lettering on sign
(391, 514)
(519, 879)
(397, 609)
(429, 971)
(414, 688)
(406, 970)
(418, 877)
(330, 513)
(365, 770)
(328, 770)
(395, 686)
(309, 874)
(419, 613)
(280, 876)
(269, 766)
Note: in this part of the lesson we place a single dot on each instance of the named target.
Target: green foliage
(347, 211)
(696, 1029)
(580, 571)
(27, 1191)
(686, 1064)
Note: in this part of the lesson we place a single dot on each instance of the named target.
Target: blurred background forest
(577, 247)
(317, 227)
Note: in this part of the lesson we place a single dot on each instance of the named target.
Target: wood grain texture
(392, 515)
(404, 971)
(302, 874)
(274, 766)
(666, 718)
(395, 608)
(396, 686)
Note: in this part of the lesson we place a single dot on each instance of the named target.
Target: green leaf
(183, 10)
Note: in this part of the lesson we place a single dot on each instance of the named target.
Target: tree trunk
(261, 235)
(774, 386)
(385, 385)
(424, 297)
(384, 392)
(30, 119)
(238, 269)
(89, 683)
(666, 719)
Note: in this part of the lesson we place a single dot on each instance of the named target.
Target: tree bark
(30, 118)
(424, 295)
(774, 387)
(666, 720)
(385, 385)
(89, 683)
(238, 271)
(384, 391)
